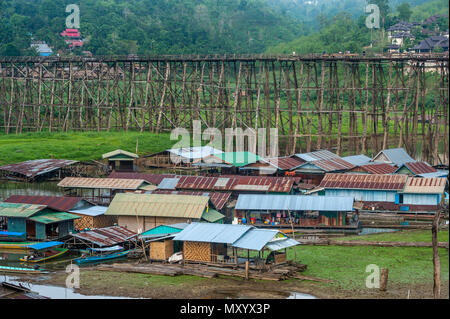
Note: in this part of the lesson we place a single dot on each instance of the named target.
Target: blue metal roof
(294, 202)
(238, 236)
(357, 160)
(45, 245)
(440, 173)
(398, 156)
(255, 239)
(281, 244)
(168, 183)
(91, 211)
(212, 233)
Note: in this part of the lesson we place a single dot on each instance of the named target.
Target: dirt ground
(109, 283)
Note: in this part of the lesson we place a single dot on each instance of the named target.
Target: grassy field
(77, 146)
(410, 269)
(346, 266)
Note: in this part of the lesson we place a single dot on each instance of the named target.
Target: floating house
(160, 240)
(227, 162)
(214, 243)
(101, 190)
(145, 211)
(35, 170)
(90, 215)
(387, 192)
(278, 166)
(235, 184)
(422, 191)
(394, 156)
(296, 211)
(373, 168)
(121, 161)
(415, 168)
(179, 157)
(318, 163)
(102, 237)
(37, 222)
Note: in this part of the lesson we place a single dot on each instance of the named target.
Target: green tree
(404, 11)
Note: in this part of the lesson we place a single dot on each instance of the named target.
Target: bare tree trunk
(436, 261)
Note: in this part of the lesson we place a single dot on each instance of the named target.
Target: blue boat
(100, 258)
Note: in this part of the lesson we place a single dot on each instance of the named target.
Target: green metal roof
(212, 215)
(19, 210)
(161, 230)
(52, 217)
(238, 159)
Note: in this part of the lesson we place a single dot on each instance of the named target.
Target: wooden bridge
(346, 102)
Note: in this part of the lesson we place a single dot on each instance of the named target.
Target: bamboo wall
(196, 251)
(161, 250)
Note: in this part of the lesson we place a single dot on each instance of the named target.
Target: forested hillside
(204, 26)
(149, 26)
(343, 32)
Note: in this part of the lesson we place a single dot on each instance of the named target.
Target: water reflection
(54, 292)
(9, 188)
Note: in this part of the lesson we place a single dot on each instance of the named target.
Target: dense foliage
(148, 26)
(208, 26)
(344, 33)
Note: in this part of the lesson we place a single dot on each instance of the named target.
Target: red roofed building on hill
(72, 37)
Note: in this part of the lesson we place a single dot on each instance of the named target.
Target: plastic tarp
(10, 233)
(44, 245)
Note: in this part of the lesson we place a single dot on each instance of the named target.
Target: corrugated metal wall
(364, 195)
(421, 199)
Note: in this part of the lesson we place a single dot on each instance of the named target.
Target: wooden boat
(22, 270)
(100, 258)
(46, 255)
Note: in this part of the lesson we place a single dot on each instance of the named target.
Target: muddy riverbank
(130, 285)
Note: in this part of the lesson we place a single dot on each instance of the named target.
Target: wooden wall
(146, 223)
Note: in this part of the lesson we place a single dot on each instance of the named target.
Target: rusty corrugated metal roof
(284, 163)
(105, 183)
(222, 183)
(421, 185)
(108, 236)
(154, 179)
(379, 168)
(60, 203)
(420, 167)
(34, 168)
(217, 199)
(363, 181)
(333, 164)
